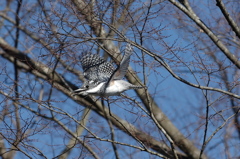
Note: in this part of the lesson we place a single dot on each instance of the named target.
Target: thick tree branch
(42, 71)
(231, 22)
(179, 139)
(211, 35)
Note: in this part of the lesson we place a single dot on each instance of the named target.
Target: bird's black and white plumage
(101, 77)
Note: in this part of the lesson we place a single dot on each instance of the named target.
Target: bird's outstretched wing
(105, 71)
(123, 67)
(90, 64)
(95, 68)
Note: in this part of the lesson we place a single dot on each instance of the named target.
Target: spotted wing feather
(95, 68)
(105, 71)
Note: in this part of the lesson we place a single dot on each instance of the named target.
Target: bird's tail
(137, 87)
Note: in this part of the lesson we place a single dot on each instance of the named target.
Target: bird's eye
(87, 86)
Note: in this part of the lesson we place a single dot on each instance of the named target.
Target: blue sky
(184, 105)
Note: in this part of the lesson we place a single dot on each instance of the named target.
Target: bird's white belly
(114, 88)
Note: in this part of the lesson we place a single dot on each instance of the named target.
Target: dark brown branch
(229, 19)
(208, 31)
(42, 71)
(179, 139)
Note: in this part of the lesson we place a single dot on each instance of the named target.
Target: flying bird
(101, 77)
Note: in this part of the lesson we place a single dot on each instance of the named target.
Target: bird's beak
(79, 90)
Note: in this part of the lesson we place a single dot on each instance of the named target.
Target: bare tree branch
(189, 12)
(44, 72)
(231, 22)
